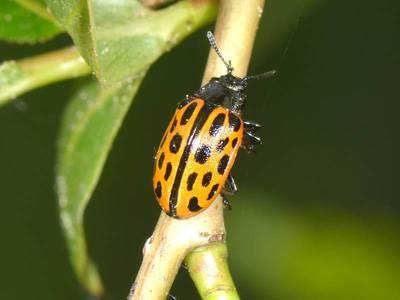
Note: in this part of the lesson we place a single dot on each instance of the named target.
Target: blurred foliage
(26, 21)
(317, 212)
(313, 254)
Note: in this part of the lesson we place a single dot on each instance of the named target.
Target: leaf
(120, 38)
(90, 123)
(26, 21)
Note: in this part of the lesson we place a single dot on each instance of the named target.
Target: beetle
(199, 147)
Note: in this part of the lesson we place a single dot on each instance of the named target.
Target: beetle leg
(226, 203)
(250, 141)
(250, 126)
(230, 187)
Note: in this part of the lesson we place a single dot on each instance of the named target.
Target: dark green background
(317, 213)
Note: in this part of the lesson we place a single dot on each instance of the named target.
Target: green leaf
(120, 38)
(26, 21)
(90, 124)
(17, 77)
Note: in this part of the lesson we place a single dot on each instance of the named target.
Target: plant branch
(208, 267)
(203, 235)
(21, 76)
(165, 250)
(235, 31)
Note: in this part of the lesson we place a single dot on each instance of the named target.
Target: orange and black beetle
(199, 147)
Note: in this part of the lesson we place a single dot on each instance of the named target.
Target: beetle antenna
(214, 45)
(261, 76)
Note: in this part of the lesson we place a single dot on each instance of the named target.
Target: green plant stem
(21, 76)
(210, 272)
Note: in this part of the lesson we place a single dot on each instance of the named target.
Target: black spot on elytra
(190, 181)
(168, 170)
(234, 142)
(234, 122)
(213, 191)
(188, 113)
(157, 190)
(206, 179)
(222, 164)
(175, 143)
(202, 154)
(194, 204)
(173, 126)
(161, 160)
(221, 144)
(217, 124)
